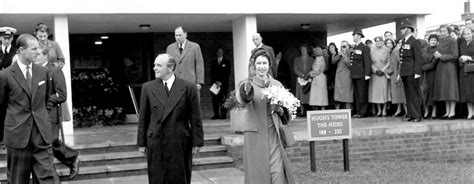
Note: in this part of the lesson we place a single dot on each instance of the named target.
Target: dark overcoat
(7, 58)
(169, 127)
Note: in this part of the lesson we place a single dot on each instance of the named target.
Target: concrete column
(242, 30)
(418, 22)
(61, 35)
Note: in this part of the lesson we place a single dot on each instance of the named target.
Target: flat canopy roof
(129, 23)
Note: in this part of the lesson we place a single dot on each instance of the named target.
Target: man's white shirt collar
(23, 68)
(183, 44)
(169, 82)
(8, 49)
(408, 37)
(259, 46)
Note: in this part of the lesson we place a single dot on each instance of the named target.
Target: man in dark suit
(8, 50)
(410, 70)
(57, 95)
(23, 92)
(360, 73)
(257, 40)
(170, 125)
(190, 64)
(220, 71)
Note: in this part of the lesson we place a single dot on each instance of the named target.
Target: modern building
(139, 30)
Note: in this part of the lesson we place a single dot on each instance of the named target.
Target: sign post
(329, 125)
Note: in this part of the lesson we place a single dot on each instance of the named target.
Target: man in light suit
(23, 92)
(57, 95)
(257, 40)
(170, 125)
(190, 65)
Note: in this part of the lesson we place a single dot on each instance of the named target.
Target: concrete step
(132, 169)
(209, 176)
(114, 158)
(112, 147)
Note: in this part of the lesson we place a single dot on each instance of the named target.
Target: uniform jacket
(169, 127)
(23, 108)
(220, 72)
(411, 57)
(7, 58)
(190, 64)
(360, 61)
(56, 91)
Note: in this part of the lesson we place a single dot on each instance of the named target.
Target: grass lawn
(386, 172)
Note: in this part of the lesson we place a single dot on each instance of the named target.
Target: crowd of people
(368, 78)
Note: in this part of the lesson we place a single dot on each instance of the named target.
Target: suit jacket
(57, 93)
(274, 71)
(6, 59)
(169, 127)
(411, 57)
(190, 65)
(23, 108)
(360, 61)
(220, 72)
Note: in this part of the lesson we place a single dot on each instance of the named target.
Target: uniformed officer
(8, 50)
(410, 70)
(360, 73)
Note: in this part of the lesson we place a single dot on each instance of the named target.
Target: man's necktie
(180, 48)
(167, 89)
(28, 77)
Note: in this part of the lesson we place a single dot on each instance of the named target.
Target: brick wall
(287, 42)
(440, 142)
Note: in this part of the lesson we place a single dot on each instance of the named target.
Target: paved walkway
(210, 176)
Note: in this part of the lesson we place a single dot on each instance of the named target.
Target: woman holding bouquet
(265, 159)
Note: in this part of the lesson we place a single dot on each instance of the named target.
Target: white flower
(278, 95)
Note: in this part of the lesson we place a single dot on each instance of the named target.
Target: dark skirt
(466, 86)
(430, 78)
(446, 86)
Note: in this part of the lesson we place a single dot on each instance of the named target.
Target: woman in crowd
(429, 74)
(265, 159)
(331, 65)
(446, 83)
(466, 74)
(397, 93)
(343, 92)
(369, 43)
(55, 54)
(378, 84)
(319, 92)
(302, 67)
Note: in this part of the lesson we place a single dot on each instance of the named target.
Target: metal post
(312, 156)
(345, 147)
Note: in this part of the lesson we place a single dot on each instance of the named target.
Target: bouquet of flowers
(278, 95)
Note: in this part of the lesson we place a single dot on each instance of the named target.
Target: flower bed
(95, 97)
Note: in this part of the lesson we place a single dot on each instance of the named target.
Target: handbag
(307, 88)
(286, 136)
(469, 67)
